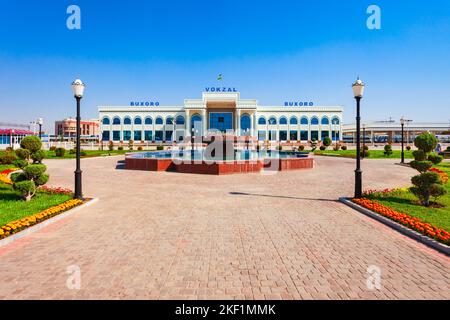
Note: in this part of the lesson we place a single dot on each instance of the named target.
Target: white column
(255, 124)
(252, 123)
(188, 124)
(204, 122)
(238, 122)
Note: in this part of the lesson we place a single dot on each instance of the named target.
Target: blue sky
(273, 51)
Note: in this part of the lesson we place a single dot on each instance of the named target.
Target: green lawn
(405, 202)
(89, 154)
(12, 207)
(374, 154)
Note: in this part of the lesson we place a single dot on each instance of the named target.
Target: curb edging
(442, 248)
(26, 232)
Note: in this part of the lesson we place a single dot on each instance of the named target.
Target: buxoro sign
(144, 103)
(298, 104)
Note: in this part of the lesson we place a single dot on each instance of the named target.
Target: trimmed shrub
(73, 151)
(52, 148)
(365, 153)
(388, 150)
(421, 166)
(23, 154)
(435, 159)
(337, 147)
(9, 149)
(408, 148)
(60, 152)
(31, 143)
(159, 148)
(323, 148)
(130, 144)
(18, 176)
(38, 156)
(7, 157)
(427, 185)
(111, 146)
(426, 142)
(33, 171)
(366, 148)
(301, 148)
(279, 148)
(140, 148)
(419, 155)
(344, 148)
(41, 180)
(26, 189)
(19, 163)
(120, 148)
(327, 142)
(448, 148)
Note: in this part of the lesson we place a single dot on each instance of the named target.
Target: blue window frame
(148, 121)
(314, 135)
(335, 121)
(245, 122)
(159, 135)
(272, 121)
(159, 121)
(180, 120)
(148, 135)
(127, 120)
(126, 135)
(283, 120)
(314, 121)
(293, 135)
(116, 120)
(325, 121)
(262, 121)
(106, 121)
(137, 120)
(293, 121)
(169, 120)
(116, 135)
(304, 135)
(137, 135)
(105, 136)
(221, 121)
(304, 121)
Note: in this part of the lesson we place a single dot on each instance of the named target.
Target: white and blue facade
(223, 111)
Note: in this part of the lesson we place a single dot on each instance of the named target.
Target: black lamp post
(40, 122)
(78, 90)
(402, 122)
(363, 154)
(358, 90)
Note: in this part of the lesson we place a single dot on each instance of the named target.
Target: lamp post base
(78, 192)
(358, 183)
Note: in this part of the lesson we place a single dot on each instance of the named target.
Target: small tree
(388, 150)
(327, 142)
(130, 144)
(427, 184)
(27, 181)
(111, 146)
(33, 144)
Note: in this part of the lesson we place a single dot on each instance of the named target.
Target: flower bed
(411, 222)
(18, 225)
(442, 174)
(4, 175)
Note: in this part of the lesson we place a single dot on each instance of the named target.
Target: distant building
(67, 129)
(391, 131)
(11, 134)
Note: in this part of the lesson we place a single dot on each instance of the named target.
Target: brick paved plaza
(157, 235)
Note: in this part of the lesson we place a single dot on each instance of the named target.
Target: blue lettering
(207, 89)
(156, 103)
(132, 104)
(311, 104)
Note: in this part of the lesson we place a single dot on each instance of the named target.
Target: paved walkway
(170, 235)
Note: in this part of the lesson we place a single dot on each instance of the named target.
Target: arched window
(127, 120)
(272, 120)
(159, 120)
(314, 121)
(137, 120)
(169, 120)
(293, 121)
(180, 120)
(325, 121)
(195, 118)
(304, 121)
(245, 122)
(116, 120)
(335, 120)
(283, 120)
(148, 120)
(262, 120)
(106, 120)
